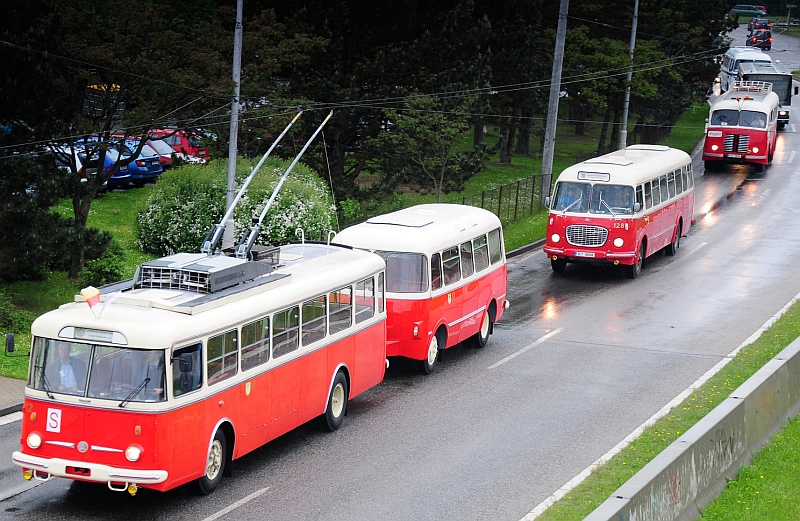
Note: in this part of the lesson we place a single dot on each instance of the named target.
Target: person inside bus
(151, 374)
(69, 372)
(571, 195)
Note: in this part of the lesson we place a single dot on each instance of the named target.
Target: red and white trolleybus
(446, 276)
(621, 208)
(742, 126)
(199, 360)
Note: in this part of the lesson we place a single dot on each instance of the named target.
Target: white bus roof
(744, 53)
(752, 95)
(425, 228)
(153, 318)
(629, 166)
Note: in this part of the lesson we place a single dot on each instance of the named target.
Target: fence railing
(509, 202)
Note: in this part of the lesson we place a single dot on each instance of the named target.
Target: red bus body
(426, 314)
(83, 437)
(586, 229)
(743, 126)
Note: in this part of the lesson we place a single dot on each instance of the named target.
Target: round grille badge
(83, 446)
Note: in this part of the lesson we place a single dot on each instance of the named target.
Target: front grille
(736, 143)
(583, 235)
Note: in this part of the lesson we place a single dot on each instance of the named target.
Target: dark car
(747, 10)
(761, 38)
(758, 23)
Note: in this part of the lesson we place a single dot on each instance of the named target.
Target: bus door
(452, 304)
(285, 384)
(473, 293)
(255, 402)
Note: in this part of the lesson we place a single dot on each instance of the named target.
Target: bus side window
(186, 382)
(495, 248)
(381, 295)
(284, 331)
(663, 184)
(690, 175)
(314, 318)
(679, 181)
(640, 197)
(671, 185)
(255, 344)
(436, 271)
(467, 265)
(452, 265)
(648, 196)
(480, 251)
(340, 309)
(221, 356)
(365, 300)
(656, 192)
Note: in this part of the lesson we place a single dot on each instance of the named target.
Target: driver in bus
(69, 372)
(571, 195)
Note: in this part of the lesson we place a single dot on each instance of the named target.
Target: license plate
(584, 254)
(738, 156)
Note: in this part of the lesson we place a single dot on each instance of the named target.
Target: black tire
(215, 464)
(635, 269)
(337, 403)
(481, 338)
(672, 248)
(558, 265)
(758, 168)
(430, 362)
(711, 166)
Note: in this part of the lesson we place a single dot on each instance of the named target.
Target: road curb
(11, 409)
(525, 249)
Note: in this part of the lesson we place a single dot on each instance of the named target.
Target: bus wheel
(634, 269)
(481, 338)
(429, 364)
(558, 265)
(215, 464)
(711, 166)
(337, 403)
(672, 248)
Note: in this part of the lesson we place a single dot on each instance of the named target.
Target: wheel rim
(433, 350)
(214, 460)
(485, 325)
(337, 400)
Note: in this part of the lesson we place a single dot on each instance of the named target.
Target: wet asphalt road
(481, 441)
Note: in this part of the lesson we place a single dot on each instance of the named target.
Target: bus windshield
(405, 272)
(744, 118)
(601, 199)
(95, 371)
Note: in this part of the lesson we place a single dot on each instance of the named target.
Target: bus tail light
(34, 440)
(133, 453)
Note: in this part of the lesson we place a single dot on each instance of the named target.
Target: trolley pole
(228, 237)
(623, 133)
(552, 106)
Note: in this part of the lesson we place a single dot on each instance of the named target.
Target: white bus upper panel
(630, 166)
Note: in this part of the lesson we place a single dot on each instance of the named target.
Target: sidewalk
(11, 391)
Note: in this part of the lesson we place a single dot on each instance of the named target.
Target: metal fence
(509, 202)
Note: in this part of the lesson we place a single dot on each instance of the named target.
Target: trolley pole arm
(247, 241)
(215, 233)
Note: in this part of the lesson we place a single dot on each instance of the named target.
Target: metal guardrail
(509, 202)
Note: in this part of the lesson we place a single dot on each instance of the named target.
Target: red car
(183, 142)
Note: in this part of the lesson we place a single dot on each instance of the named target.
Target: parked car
(186, 143)
(748, 10)
(758, 23)
(66, 157)
(164, 151)
(761, 38)
(91, 164)
(146, 167)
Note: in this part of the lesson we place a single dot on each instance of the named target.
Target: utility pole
(552, 106)
(623, 133)
(228, 237)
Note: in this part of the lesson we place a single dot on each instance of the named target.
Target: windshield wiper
(45, 386)
(573, 203)
(606, 205)
(135, 392)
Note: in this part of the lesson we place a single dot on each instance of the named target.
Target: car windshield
(575, 197)
(405, 272)
(97, 371)
(195, 142)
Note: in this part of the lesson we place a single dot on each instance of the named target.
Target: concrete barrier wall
(692, 470)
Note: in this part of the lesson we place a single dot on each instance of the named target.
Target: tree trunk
(524, 137)
(477, 132)
(81, 205)
(512, 131)
(615, 128)
(604, 130)
(503, 149)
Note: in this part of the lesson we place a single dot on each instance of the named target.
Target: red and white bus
(199, 360)
(446, 276)
(621, 208)
(742, 126)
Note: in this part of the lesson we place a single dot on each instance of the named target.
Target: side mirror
(185, 362)
(637, 207)
(9, 343)
(547, 201)
(796, 89)
(186, 383)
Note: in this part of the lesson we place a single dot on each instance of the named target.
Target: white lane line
(694, 250)
(526, 348)
(793, 127)
(11, 418)
(236, 505)
(791, 156)
(574, 482)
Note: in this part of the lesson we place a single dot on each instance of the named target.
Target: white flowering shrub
(188, 200)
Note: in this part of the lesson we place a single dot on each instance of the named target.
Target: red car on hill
(183, 142)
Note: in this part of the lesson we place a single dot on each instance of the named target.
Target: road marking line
(526, 348)
(11, 418)
(694, 250)
(236, 505)
(574, 482)
(791, 157)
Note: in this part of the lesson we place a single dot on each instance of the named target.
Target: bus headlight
(755, 150)
(618, 242)
(34, 440)
(133, 452)
(782, 112)
(714, 147)
(555, 237)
